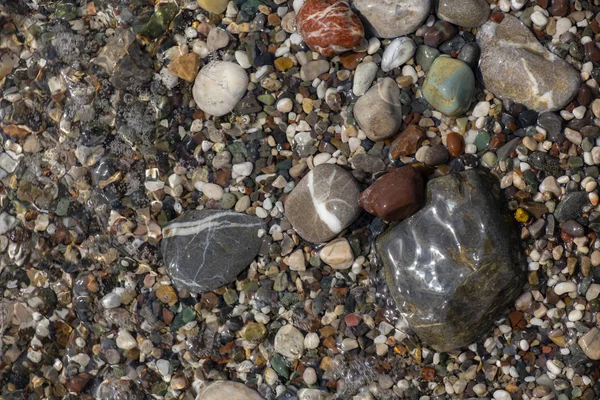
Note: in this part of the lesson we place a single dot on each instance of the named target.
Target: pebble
(363, 77)
(337, 254)
(449, 86)
(213, 6)
(111, 300)
(219, 86)
(407, 142)
(312, 69)
(289, 342)
(220, 390)
(378, 112)
(590, 344)
(564, 287)
(395, 196)
(329, 27)
(125, 340)
(465, 13)
(397, 53)
(323, 203)
(535, 85)
(393, 18)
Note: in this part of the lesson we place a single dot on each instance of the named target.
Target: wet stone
(378, 112)
(449, 86)
(466, 243)
(465, 13)
(220, 390)
(206, 249)
(392, 18)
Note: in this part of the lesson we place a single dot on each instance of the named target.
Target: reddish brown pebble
(352, 319)
(408, 141)
(329, 26)
(455, 143)
(559, 8)
(351, 59)
(585, 95)
(497, 17)
(77, 383)
(396, 195)
(592, 52)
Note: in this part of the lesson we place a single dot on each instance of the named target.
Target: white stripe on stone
(330, 219)
(195, 227)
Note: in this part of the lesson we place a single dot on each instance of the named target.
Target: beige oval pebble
(227, 390)
(337, 254)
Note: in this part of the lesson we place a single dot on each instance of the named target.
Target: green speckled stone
(482, 140)
(449, 86)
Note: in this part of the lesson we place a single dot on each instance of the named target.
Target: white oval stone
(363, 77)
(398, 52)
(219, 86)
(564, 287)
(222, 390)
(289, 342)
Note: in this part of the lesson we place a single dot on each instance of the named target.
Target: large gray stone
(206, 249)
(456, 264)
(514, 65)
(465, 13)
(392, 18)
(324, 203)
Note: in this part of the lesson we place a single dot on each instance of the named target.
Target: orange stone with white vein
(329, 26)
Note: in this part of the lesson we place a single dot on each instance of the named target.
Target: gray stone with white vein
(206, 249)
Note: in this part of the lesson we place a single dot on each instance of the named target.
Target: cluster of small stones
(102, 145)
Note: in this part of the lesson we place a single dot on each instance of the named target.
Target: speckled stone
(379, 112)
(455, 264)
(219, 86)
(206, 249)
(449, 86)
(323, 203)
(465, 13)
(392, 18)
(531, 75)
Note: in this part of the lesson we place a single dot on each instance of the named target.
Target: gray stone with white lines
(206, 249)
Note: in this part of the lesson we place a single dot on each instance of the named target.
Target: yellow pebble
(167, 294)
(283, 64)
(521, 215)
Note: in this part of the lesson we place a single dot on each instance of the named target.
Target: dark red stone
(585, 95)
(408, 141)
(559, 8)
(396, 195)
(329, 26)
(592, 52)
(438, 33)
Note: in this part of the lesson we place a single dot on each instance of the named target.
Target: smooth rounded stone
(221, 390)
(219, 86)
(324, 203)
(206, 249)
(337, 254)
(392, 18)
(213, 6)
(465, 13)
(368, 163)
(329, 26)
(363, 77)
(531, 74)
(436, 155)
(553, 124)
(573, 228)
(312, 69)
(396, 195)
(590, 343)
(425, 56)
(470, 267)
(125, 340)
(379, 112)
(469, 54)
(439, 33)
(289, 342)
(449, 86)
(570, 206)
(397, 53)
(111, 300)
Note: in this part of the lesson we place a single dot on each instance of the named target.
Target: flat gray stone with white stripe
(206, 249)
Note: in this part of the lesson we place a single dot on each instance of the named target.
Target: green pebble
(266, 99)
(230, 296)
(592, 171)
(66, 11)
(159, 21)
(550, 205)
(188, 314)
(461, 124)
(228, 201)
(425, 56)
(62, 207)
(315, 261)
(513, 205)
(449, 86)
(594, 305)
(281, 282)
(279, 365)
(587, 144)
(489, 160)
(255, 331)
(482, 140)
(575, 162)
(529, 177)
